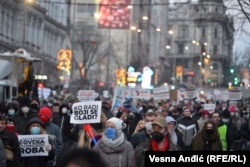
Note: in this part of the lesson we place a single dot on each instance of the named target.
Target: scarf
(173, 137)
(114, 143)
(155, 147)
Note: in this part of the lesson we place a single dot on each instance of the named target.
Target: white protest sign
(209, 107)
(118, 96)
(86, 95)
(142, 94)
(33, 145)
(234, 95)
(189, 94)
(86, 112)
(44, 92)
(161, 93)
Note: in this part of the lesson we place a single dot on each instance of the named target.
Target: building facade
(39, 28)
(200, 45)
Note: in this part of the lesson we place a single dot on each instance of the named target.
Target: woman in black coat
(38, 161)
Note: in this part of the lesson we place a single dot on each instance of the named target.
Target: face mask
(148, 125)
(115, 112)
(225, 120)
(35, 130)
(209, 132)
(64, 110)
(130, 118)
(34, 106)
(110, 133)
(246, 116)
(50, 104)
(157, 136)
(11, 112)
(10, 127)
(25, 110)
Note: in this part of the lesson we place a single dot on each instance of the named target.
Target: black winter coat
(10, 139)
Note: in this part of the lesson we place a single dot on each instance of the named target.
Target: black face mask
(34, 106)
(209, 132)
(130, 118)
(157, 136)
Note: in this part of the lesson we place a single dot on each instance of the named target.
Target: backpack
(8, 152)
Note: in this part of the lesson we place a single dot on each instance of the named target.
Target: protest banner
(161, 93)
(209, 107)
(234, 95)
(86, 112)
(119, 96)
(33, 145)
(86, 95)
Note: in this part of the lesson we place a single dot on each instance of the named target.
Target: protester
(113, 147)
(208, 138)
(45, 116)
(174, 134)
(188, 128)
(160, 141)
(69, 136)
(24, 114)
(34, 127)
(143, 135)
(204, 118)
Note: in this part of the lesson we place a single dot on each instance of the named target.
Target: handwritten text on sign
(86, 112)
(33, 145)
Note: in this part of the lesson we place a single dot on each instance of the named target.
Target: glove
(48, 147)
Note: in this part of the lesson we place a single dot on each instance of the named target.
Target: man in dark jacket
(69, 136)
(188, 127)
(22, 117)
(143, 135)
(159, 141)
(10, 141)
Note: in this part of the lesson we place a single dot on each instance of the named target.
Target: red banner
(114, 14)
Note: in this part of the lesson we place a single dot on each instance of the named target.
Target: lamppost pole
(24, 24)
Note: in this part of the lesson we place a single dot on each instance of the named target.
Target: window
(203, 32)
(80, 24)
(215, 33)
(215, 50)
(180, 48)
(183, 32)
(216, 10)
(84, 8)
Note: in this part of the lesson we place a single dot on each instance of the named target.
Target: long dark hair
(215, 128)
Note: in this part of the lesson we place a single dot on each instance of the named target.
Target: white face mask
(148, 125)
(115, 112)
(64, 110)
(225, 120)
(25, 110)
(50, 104)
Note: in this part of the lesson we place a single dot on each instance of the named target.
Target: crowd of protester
(124, 133)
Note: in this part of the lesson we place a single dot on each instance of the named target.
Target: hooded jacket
(175, 136)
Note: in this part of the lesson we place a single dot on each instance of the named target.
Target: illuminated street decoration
(64, 65)
(114, 14)
(132, 76)
(147, 74)
(120, 75)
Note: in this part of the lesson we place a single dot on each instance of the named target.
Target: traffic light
(231, 70)
(236, 80)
